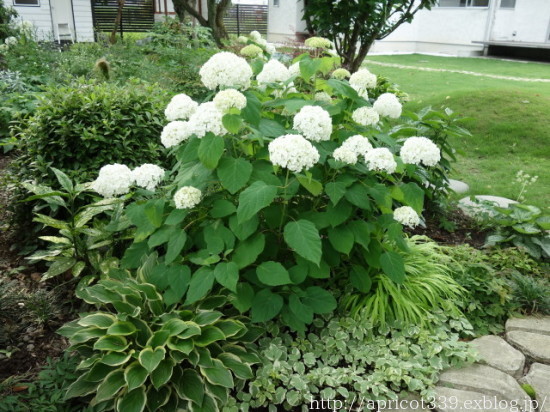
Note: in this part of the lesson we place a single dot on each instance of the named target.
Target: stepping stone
(530, 324)
(539, 378)
(485, 380)
(533, 345)
(456, 400)
(496, 352)
(472, 208)
(458, 187)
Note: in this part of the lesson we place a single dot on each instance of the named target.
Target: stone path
(495, 383)
(431, 69)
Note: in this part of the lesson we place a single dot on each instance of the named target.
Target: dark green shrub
(81, 127)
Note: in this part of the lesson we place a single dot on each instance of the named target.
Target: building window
(507, 4)
(26, 2)
(463, 3)
(275, 3)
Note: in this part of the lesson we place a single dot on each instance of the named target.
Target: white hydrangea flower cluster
(206, 119)
(10, 41)
(148, 176)
(242, 39)
(176, 132)
(273, 72)
(358, 144)
(226, 99)
(365, 116)
(361, 81)
(270, 48)
(255, 35)
(314, 123)
(388, 105)
(407, 216)
(113, 180)
(181, 107)
(418, 150)
(294, 69)
(341, 73)
(323, 97)
(226, 69)
(345, 155)
(318, 43)
(187, 197)
(293, 152)
(380, 159)
(252, 51)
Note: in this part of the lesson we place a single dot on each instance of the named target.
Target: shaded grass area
(509, 121)
(473, 64)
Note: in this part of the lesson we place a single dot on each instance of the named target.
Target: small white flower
(255, 35)
(148, 176)
(362, 80)
(318, 42)
(314, 123)
(345, 155)
(358, 144)
(187, 197)
(293, 152)
(226, 69)
(323, 97)
(176, 132)
(10, 41)
(206, 119)
(229, 98)
(273, 72)
(407, 216)
(181, 107)
(341, 74)
(113, 180)
(365, 116)
(380, 159)
(418, 150)
(388, 105)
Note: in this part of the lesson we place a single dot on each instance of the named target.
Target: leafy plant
(428, 286)
(531, 295)
(341, 356)
(83, 246)
(520, 225)
(143, 351)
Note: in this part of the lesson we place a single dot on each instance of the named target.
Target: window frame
(468, 5)
(26, 5)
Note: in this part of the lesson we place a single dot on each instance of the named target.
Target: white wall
(530, 21)
(285, 20)
(84, 24)
(39, 16)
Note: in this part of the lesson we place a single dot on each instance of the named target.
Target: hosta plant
(142, 352)
(287, 180)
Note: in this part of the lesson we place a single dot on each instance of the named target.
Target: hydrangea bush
(275, 192)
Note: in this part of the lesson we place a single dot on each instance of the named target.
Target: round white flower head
(10, 41)
(262, 42)
(314, 123)
(148, 176)
(358, 144)
(187, 197)
(365, 116)
(175, 132)
(362, 80)
(252, 51)
(293, 152)
(323, 97)
(181, 107)
(345, 155)
(226, 69)
(270, 48)
(418, 150)
(229, 98)
(273, 72)
(242, 39)
(113, 180)
(294, 69)
(255, 35)
(341, 74)
(388, 104)
(318, 42)
(380, 159)
(206, 119)
(407, 216)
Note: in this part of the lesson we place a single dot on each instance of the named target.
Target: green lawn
(509, 120)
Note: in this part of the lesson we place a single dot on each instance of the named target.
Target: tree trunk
(358, 60)
(118, 19)
(179, 9)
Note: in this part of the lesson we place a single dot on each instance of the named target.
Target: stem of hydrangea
(285, 201)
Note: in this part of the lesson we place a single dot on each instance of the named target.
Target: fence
(244, 18)
(137, 15)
